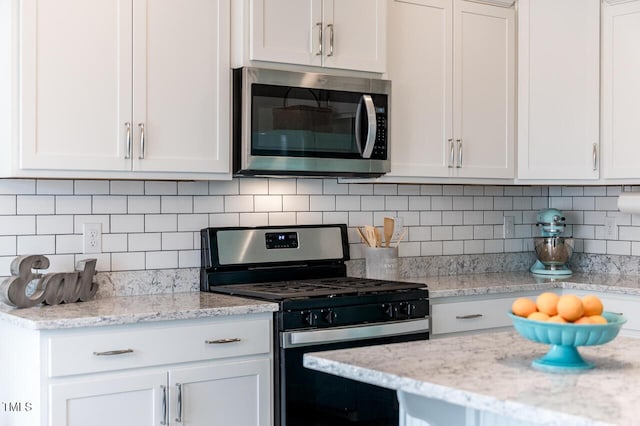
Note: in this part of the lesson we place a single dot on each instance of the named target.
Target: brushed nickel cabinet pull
(127, 155)
(116, 352)
(330, 28)
(142, 141)
(595, 157)
(319, 25)
(179, 416)
(459, 153)
(452, 153)
(222, 341)
(164, 405)
(471, 316)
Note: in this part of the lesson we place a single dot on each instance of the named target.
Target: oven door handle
(292, 339)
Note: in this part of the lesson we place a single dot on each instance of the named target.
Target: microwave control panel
(380, 145)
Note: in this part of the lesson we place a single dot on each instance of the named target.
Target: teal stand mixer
(552, 249)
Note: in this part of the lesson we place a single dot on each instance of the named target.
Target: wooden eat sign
(52, 289)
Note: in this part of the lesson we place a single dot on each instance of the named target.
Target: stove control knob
(330, 316)
(408, 309)
(389, 310)
(310, 318)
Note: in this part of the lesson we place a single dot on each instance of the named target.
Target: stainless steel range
(302, 268)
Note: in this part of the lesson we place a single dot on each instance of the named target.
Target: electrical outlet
(509, 227)
(397, 227)
(92, 238)
(610, 228)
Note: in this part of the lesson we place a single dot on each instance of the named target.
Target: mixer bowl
(553, 252)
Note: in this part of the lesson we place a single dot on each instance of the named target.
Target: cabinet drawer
(473, 315)
(122, 347)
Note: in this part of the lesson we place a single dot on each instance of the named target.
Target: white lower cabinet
(213, 372)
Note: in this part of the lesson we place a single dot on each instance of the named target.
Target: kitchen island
(487, 379)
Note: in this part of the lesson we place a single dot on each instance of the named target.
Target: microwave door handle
(372, 127)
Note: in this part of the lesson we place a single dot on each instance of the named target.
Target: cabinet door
(286, 31)
(355, 34)
(181, 86)
(558, 89)
(75, 84)
(222, 394)
(106, 400)
(621, 90)
(420, 69)
(484, 90)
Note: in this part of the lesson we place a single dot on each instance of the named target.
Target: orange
(523, 307)
(592, 305)
(538, 316)
(583, 320)
(598, 319)
(557, 318)
(548, 303)
(570, 307)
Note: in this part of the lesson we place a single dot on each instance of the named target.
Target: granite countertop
(493, 372)
(509, 282)
(132, 309)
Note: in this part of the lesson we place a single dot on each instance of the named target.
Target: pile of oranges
(564, 309)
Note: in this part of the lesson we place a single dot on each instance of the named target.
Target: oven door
(310, 398)
(307, 123)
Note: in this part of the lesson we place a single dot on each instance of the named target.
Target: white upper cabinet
(122, 88)
(621, 90)
(558, 89)
(452, 66)
(328, 33)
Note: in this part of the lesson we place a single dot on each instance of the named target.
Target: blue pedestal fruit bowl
(563, 357)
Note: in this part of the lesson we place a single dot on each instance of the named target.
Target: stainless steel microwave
(309, 124)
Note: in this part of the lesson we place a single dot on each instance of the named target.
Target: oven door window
(312, 398)
(302, 122)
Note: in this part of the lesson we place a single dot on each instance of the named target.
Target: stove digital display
(281, 240)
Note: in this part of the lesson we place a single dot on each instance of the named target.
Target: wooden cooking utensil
(389, 224)
(363, 236)
(401, 237)
(370, 232)
(378, 237)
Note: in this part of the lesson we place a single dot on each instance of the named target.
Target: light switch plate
(509, 227)
(610, 228)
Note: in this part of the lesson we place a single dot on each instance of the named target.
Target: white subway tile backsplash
(503, 203)
(145, 242)
(17, 225)
(561, 203)
(54, 187)
(231, 187)
(127, 223)
(73, 204)
(193, 188)
(452, 190)
(360, 189)
(441, 233)
(494, 246)
(177, 241)
(430, 189)
(103, 260)
(463, 232)
(5, 265)
(66, 244)
(282, 186)
(385, 189)
(494, 191)
(17, 186)
(254, 219)
(619, 247)
(408, 189)
(331, 186)
(7, 204)
(295, 203)
(453, 218)
(309, 186)
(575, 191)
(253, 186)
(462, 203)
(192, 222)
(522, 203)
(160, 188)
(36, 244)
(131, 261)
(282, 218)
(595, 246)
(372, 202)
(473, 247)
(160, 223)
(420, 233)
(432, 218)
(483, 232)
(224, 219)
(360, 218)
(91, 187)
(409, 249)
(189, 259)
(452, 247)
(482, 203)
(530, 191)
(473, 218)
(7, 246)
(431, 248)
(409, 218)
(538, 203)
(143, 204)
(309, 218)
(268, 203)
(441, 203)
(347, 202)
(208, 204)
(473, 190)
(109, 204)
(176, 204)
(238, 203)
(513, 245)
(127, 187)
(114, 243)
(629, 233)
(584, 203)
(322, 202)
(397, 202)
(607, 203)
(513, 191)
(595, 190)
(61, 263)
(614, 190)
(419, 203)
(493, 217)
